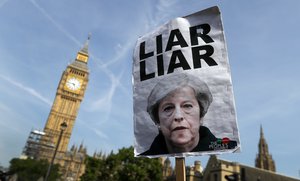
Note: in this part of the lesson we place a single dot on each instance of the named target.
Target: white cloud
(29, 90)
(5, 108)
(99, 133)
(121, 52)
(105, 102)
(3, 2)
(60, 28)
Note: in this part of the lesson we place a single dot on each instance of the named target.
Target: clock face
(73, 83)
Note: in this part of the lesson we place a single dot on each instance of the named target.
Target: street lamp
(63, 127)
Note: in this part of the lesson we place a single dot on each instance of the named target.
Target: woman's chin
(182, 141)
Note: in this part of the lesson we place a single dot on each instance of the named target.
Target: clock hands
(73, 83)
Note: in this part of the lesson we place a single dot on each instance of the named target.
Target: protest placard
(182, 89)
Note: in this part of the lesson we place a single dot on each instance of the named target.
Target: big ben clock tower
(69, 94)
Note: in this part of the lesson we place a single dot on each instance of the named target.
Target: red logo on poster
(225, 140)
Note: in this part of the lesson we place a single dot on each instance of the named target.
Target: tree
(122, 166)
(94, 168)
(30, 169)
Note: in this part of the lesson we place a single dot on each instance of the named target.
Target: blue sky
(39, 38)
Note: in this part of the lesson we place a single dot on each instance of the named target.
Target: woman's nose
(178, 115)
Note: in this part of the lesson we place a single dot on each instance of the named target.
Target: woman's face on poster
(179, 117)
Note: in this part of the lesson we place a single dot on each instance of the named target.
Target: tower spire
(83, 54)
(261, 132)
(263, 159)
(85, 47)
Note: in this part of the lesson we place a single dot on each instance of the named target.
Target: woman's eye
(168, 108)
(188, 106)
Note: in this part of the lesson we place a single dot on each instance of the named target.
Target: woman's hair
(173, 82)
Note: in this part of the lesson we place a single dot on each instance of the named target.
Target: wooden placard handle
(180, 169)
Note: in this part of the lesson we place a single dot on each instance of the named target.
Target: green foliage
(93, 169)
(30, 169)
(122, 166)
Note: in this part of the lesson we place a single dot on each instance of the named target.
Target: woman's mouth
(179, 128)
